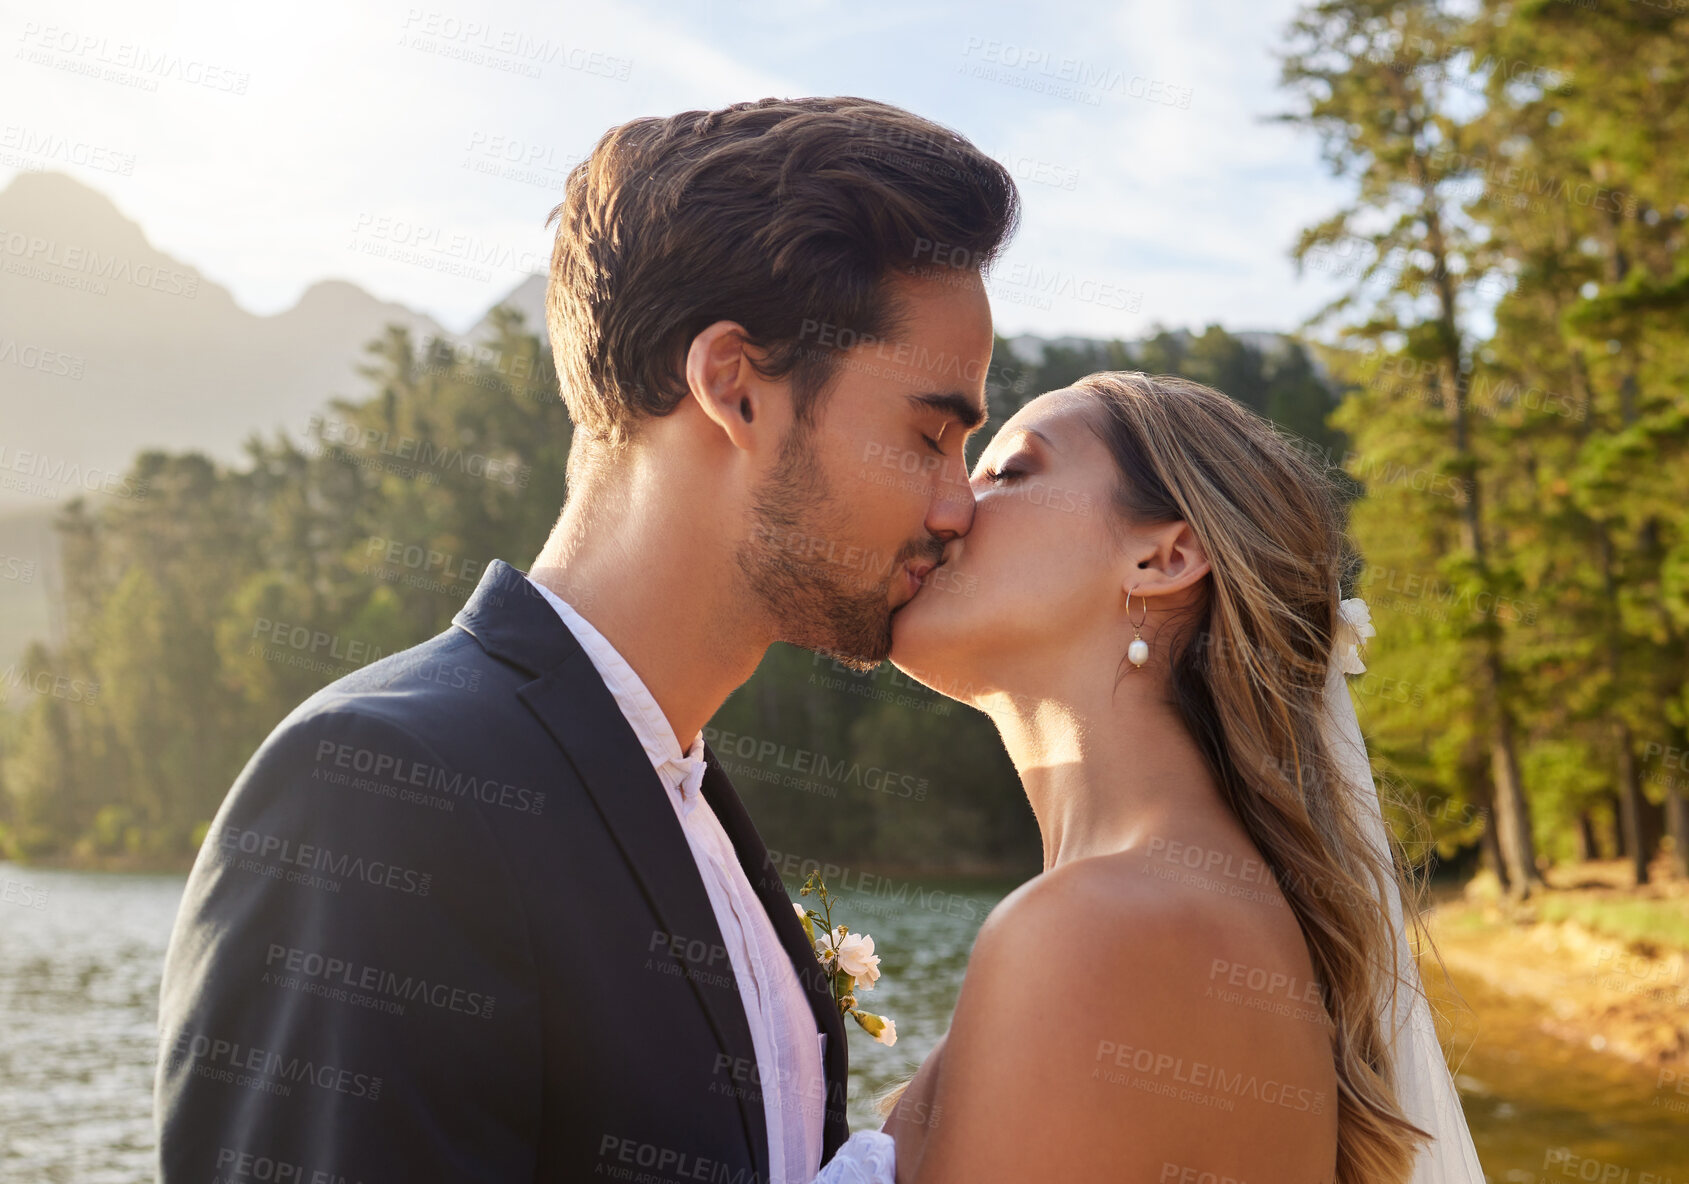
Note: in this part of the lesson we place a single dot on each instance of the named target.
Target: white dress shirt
(783, 1031)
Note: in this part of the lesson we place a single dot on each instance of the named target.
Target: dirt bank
(1627, 996)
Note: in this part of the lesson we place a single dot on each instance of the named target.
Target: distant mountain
(528, 298)
(1030, 349)
(108, 346)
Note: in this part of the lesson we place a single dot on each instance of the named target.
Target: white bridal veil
(1423, 1085)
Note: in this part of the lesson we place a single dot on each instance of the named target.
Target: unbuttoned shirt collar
(680, 772)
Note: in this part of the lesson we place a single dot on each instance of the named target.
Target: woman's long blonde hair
(1248, 676)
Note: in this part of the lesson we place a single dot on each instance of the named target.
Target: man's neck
(665, 596)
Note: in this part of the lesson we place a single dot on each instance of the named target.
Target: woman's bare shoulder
(1136, 897)
(1166, 1020)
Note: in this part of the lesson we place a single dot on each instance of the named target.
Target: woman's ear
(1170, 558)
(722, 381)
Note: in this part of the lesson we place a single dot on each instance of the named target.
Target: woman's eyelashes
(1006, 470)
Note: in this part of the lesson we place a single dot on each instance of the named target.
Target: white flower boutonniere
(852, 953)
(848, 957)
(1354, 626)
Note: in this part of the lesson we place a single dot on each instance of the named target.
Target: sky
(272, 148)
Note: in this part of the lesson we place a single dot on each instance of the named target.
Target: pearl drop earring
(1138, 652)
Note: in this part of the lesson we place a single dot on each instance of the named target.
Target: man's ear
(1169, 558)
(722, 381)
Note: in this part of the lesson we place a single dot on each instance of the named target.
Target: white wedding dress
(867, 1157)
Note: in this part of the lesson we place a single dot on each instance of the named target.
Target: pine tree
(1380, 83)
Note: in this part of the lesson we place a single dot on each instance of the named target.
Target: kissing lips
(916, 573)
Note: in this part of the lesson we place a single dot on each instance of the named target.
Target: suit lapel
(771, 891)
(515, 623)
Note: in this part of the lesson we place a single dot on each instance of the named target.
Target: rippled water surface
(79, 992)
(79, 975)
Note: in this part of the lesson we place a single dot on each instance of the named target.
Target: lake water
(79, 987)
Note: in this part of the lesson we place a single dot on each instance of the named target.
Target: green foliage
(1510, 364)
(1664, 921)
(1516, 352)
(207, 611)
(200, 615)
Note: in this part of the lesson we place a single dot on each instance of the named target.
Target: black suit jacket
(446, 926)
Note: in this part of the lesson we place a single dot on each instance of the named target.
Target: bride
(1210, 980)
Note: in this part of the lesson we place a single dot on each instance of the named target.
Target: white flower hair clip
(1354, 626)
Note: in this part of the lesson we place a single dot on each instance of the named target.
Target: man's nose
(951, 511)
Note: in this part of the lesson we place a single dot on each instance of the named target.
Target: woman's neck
(1106, 772)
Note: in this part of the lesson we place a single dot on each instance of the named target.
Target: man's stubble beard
(816, 605)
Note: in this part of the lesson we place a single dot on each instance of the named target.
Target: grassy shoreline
(106, 864)
(1604, 962)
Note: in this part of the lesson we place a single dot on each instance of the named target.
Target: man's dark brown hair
(785, 215)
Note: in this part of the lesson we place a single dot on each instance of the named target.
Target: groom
(489, 909)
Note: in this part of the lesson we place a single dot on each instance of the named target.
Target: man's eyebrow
(954, 403)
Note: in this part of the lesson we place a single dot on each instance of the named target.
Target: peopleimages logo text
(234, 839)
